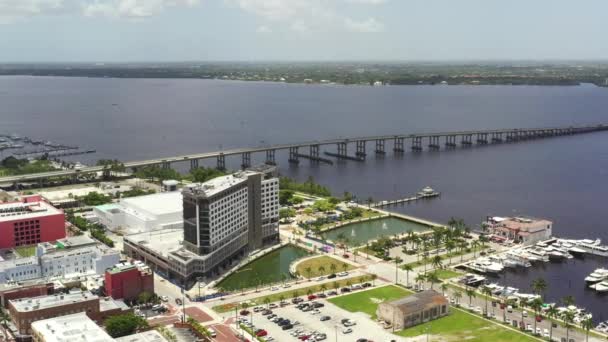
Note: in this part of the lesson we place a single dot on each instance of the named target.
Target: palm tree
(567, 317)
(333, 267)
(348, 283)
(536, 305)
(267, 302)
(433, 279)
(370, 200)
(475, 245)
(281, 298)
(552, 313)
(539, 286)
(308, 271)
(462, 245)
(457, 295)
(407, 268)
(436, 261)
(420, 278)
(471, 294)
(295, 294)
(4, 317)
(321, 270)
(309, 292)
(398, 260)
(487, 293)
(335, 285)
(587, 324)
(449, 246)
(568, 300)
(373, 277)
(323, 288)
(355, 253)
(344, 266)
(425, 260)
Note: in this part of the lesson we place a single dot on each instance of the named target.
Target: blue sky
(242, 30)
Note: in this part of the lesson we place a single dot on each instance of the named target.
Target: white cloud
(12, 10)
(263, 29)
(132, 8)
(368, 2)
(369, 25)
(310, 15)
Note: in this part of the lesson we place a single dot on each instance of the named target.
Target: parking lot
(308, 322)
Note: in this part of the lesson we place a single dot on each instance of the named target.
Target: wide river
(563, 179)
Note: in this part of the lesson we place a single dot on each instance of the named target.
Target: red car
(261, 333)
(244, 312)
(539, 318)
(304, 337)
(312, 297)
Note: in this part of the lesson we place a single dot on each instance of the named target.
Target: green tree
(437, 262)
(285, 197)
(487, 294)
(407, 268)
(536, 305)
(344, 266)
(323, 288)
(123, 325)
(267, 301)
(433, 279)
(471, 294)
(420, 278)
(587, 324)
(321, 270)
(552, 313)
(333, 267)
(398, 260)
(457, 295)
(308, 271)
(449, 246)
(539, 286)
(144, 297)
(373, 277)
(444, 288)
(567, 317)
(286, 213)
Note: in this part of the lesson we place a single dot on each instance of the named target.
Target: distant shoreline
(570, 83)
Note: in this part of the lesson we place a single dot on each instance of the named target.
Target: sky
(259, 30)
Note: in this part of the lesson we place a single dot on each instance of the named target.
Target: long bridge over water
(311, 150)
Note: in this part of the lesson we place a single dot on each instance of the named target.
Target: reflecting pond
(271, 268)
(361, 232)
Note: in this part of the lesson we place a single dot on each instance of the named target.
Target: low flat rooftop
(155, 204)
(23, 211)
(71, 328)
(106, 304)
(45, 302)
(146, 336)
(216, 185)
(163, 241)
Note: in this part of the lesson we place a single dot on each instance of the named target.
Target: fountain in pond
(384, 226)
(352, 232)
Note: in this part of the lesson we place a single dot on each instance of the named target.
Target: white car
(524, 313)
(164, 298)
(321, 278)
(349, 323)
(347, 331)
(286, 286)
(546, 333)
(342, 274)
(274, 288)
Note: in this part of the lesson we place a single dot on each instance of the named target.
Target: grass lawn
(461, 326)
(325, 262)
(446, 274)
(287, 295)
(367, 301)
(26, 251)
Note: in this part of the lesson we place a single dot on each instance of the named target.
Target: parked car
(312, 297)
(366, 285)
(324, 318)
(164, 298)
(297, 300)
(344, 289)
(347, 331)
(322, 295)
(318, 305)
(244, 312)
(261, 333)
(178, 301)
(331, 276)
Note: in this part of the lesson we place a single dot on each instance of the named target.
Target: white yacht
(597, 275)
(540, 253)
(555, 253)
(593, 247)
(602, 286)
(518, 258)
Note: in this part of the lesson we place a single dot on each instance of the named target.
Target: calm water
(562, 179)
(360, 233)
(271, 268)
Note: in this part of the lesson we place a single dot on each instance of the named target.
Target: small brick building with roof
(414, 309)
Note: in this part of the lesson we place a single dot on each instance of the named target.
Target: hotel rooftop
(70, 328)
(46, 302)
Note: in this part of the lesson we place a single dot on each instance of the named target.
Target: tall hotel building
(223, 219)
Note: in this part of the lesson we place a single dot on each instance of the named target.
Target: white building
(66, 258)
(145, 336)
(142, 213)
(70, 328)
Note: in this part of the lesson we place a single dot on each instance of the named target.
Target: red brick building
(30, 221)
(127, 281)
(10, 292)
